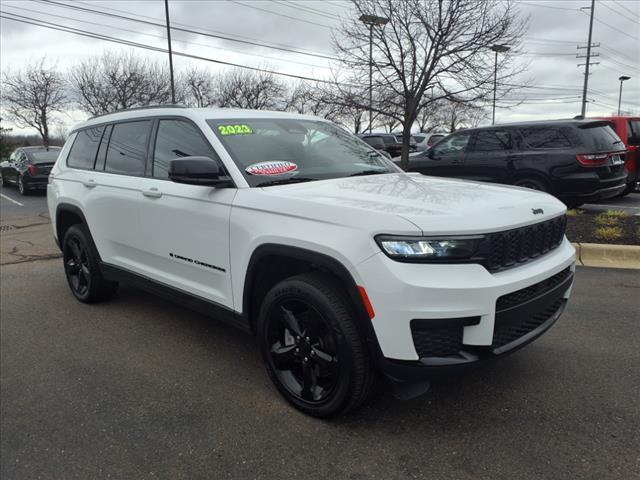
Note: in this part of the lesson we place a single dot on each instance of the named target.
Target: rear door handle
(152, 193)
(91, 183)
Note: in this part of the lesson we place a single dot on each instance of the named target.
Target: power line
(625, 8)
(548, 6)
(614, 28)
(618, 53)
(625, 16)
(284, 45)
(306, 9)
(282, 15)
(163, 37)
(85, 33)
(181, 29)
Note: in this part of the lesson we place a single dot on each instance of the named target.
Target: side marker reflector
(367, 303)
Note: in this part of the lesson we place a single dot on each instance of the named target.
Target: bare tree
(116, 81)
(198, 87)
(250, 89)
(437, 45)
(455, 115)
(32, 95)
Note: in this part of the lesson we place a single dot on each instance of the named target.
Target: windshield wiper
(284, 181)
(368, 172)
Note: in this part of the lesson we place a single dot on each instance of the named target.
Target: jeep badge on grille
(537, 211)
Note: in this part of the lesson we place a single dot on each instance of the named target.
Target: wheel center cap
(305, 348)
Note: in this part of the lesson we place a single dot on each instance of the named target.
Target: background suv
(578, 161)
(286, 226)
(387, 142)
(28, 168)
(628, 129)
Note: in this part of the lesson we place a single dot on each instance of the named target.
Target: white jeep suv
(346, 268)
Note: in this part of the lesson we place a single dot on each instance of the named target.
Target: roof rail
(167, 105)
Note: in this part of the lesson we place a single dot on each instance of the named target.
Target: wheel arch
(534, 175)
(288, 261)
(66, 216)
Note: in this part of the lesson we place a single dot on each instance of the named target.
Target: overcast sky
(556, 28)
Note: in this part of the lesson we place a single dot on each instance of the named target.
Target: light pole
(622, 79)
(372, 21)
(496, 49)
(173, 90)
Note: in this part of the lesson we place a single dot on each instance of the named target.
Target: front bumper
(463, 307)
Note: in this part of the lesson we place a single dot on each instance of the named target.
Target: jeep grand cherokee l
(578, 161)
(290, 228)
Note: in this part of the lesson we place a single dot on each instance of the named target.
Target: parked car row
(28, 168)
(578, 161)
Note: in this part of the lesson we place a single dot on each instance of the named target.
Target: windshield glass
(275, 151)
(44, 156)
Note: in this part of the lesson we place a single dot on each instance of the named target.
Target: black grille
(437, 342)
(506, 249)
(521, 296)
(507, 333)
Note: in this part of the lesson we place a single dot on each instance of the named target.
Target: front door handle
(152, 193)
(91, 183)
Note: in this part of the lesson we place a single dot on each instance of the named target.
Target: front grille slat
(525, 294)
(505, 334)
(506, 249)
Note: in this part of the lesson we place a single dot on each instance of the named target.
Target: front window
(452, 144)
(271, 151)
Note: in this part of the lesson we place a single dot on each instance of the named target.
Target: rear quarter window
(84, 149)
(547, 137)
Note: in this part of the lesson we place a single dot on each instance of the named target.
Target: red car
(628, 129)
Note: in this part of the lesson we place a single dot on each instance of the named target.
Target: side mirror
(197, 171)
(430, 154)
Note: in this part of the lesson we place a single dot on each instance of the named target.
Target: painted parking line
(11, 199)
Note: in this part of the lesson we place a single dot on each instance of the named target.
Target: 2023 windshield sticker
(271, 168)
(237, 129)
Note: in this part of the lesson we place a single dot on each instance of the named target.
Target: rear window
(547, 137)
(492, 140)
(419, 138)
(126, 153)
(601, 138)
(44, 156)
(84, 149)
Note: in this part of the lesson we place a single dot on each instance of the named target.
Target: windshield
(44, 156)
(274, 151)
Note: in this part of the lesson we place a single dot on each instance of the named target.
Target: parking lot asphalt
(141, 388)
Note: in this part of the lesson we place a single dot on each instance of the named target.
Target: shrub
(608, 233)
(616, 213)
(606, 220)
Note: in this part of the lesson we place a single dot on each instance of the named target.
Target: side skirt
(193, 302)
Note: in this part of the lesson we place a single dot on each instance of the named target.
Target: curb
(607, 256)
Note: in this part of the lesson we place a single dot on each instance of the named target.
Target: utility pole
(586, 66)
(173, 88)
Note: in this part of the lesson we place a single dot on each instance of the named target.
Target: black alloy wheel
(81, 266)
(76, 264)
(303, 349)
(312, 347)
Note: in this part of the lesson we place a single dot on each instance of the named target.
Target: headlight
(429, 248)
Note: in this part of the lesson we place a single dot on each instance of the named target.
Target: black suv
(578, 161)
(387, 142)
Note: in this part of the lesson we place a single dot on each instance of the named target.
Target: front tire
(82, 268)
(311, 346)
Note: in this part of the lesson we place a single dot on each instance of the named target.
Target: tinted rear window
(418, 138)
(634, 131)
(547, 137)
(492, 140)
(44, 156)
(602, 138)
(84, 149)
(126, 153)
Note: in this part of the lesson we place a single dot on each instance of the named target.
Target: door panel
(446, 159)
(187, 226)
(491, 157)
(186, 241)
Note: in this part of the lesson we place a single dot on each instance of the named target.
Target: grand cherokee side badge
(537, 211)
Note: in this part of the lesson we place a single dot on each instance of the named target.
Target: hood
(432, 205)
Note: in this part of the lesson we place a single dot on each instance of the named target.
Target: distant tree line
(433, 68)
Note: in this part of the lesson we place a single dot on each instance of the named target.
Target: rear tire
(22, 188)
(82, 267)
(532, 184)
(311, 346)
(3, 180)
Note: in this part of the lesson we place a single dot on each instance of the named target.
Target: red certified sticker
(271, 168)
